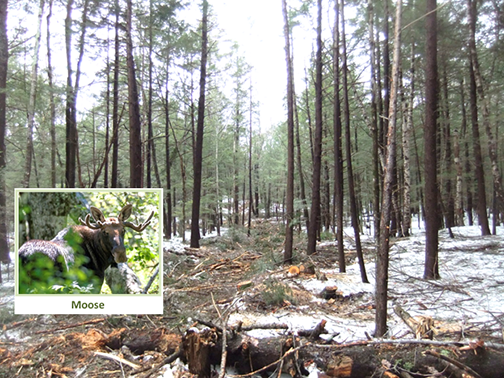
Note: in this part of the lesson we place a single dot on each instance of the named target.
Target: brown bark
(382, 260)
(115, 102)
(52, 107)
(317, 144)
(431, 270)
(198, 152)
(290, 140)
(135, 139)
(374, 123)
(338, 152)
(351, 182)
(71, 127)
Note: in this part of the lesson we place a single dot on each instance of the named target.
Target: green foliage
(276, 293)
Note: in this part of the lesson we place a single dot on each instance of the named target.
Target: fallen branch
(117, 359)
(406, 341)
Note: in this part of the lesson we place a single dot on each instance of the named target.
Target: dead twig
(117, 359)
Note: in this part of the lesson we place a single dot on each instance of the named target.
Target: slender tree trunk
(150, 135)
(4, 59)
(115, 102)
(406, 143)
(430, 139)
(374, 127)
(481, 206)
(198, 153)
(135, 139)
(338, 152)
(299, 164)
(52, 107)
(290, 140)
(169, 210)
(458, 209)
(107, 117)
(317, 145)
(382, 260)
(251, 198)
(30, 115)
(447, 158)
(351, 181)
(71, 127)
(467, 163)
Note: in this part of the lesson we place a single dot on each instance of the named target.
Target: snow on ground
(469, 295)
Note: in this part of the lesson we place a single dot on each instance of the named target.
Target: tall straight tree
(115, 100)
(135, 139)
(289, 206)
(70, 116)
(374, 127)
(198, 151)
(52, 106)
(72, 91)
(4, 60)
(382, 260)
(317, 144)
(431, 269)
(338, 152)
(32, 99)
(348, 149)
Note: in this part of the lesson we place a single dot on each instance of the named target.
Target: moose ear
(97, 214)
(125, 212)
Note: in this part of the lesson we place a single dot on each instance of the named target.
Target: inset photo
(101, 242)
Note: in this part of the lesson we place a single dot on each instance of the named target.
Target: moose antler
(96, 226)
(139, 227)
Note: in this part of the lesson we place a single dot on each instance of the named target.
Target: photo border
(112, 304)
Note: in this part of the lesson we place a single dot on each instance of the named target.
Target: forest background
(387, 125)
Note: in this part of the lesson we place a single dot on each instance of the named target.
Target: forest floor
(201, 285)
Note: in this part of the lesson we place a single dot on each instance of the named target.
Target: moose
(95, 246)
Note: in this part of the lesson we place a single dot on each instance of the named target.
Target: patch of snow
(470, 293)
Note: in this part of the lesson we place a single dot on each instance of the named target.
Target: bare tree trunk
(338, 152)
(107, 115)
(406, 143)
(447, 158)
(374, 126)
(458, 210)
(430, 139)
(317, 145)
(198, 153)
(382, 260)
(169, 210)
(4, 59)
(351, 184)
(290, 140)
(135, 139)
(52, 107)
(71, 127)
(467, 163)
(32, 99)
(115, 102)
(251, 198)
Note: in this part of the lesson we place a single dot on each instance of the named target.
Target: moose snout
(119, 254)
